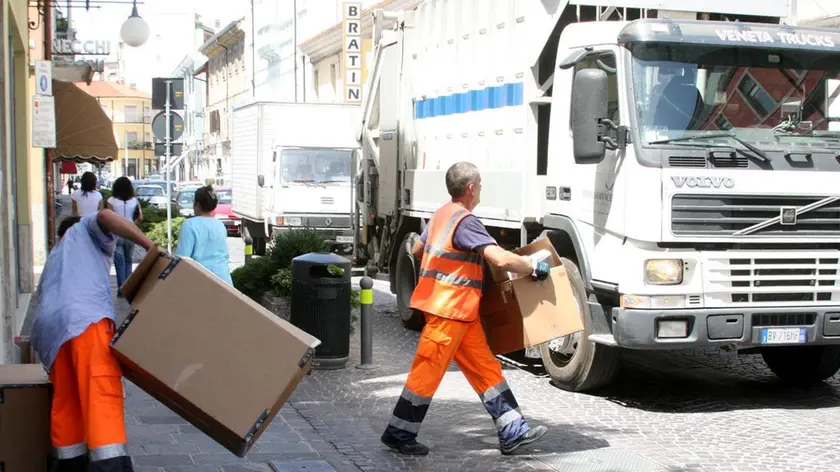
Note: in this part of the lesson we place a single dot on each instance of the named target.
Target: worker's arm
(417, 249)
(112, 223)
(506, 260)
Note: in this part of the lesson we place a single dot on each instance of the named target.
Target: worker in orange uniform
(73, 326)
(448, 291)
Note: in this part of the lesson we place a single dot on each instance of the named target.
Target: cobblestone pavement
(685, 411)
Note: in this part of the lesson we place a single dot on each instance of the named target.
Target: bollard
(366, 299)
(249, 248)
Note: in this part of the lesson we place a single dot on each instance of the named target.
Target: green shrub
(295, 242)
(281, 283)
(153, 215)
(254, 278)
(158, 232)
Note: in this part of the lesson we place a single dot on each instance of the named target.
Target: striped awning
(84, 133)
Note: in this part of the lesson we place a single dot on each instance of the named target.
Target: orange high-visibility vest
(450, 279)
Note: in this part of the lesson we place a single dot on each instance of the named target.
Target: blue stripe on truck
(506, 95)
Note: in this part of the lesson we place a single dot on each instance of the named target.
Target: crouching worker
(73, 326)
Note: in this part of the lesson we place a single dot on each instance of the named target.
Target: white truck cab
(682, 160)
(293, 167)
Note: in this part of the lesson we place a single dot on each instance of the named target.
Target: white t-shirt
(124, 208)
(87, 204)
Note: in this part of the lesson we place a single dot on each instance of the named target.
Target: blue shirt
(74, 291)
(204, 239)
(470, 235)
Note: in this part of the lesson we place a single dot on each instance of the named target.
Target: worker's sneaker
(409, 448)
(532, 435)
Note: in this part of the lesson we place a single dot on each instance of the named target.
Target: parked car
(224, 211)
(152, 194)
(185, 200)
(162, 184)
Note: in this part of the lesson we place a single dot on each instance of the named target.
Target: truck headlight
(663, 271)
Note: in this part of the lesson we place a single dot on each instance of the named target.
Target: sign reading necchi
(352, 52)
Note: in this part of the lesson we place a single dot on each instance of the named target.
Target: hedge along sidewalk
(268, 280)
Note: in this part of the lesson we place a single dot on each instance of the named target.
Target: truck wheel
(573, 362)
(407, 271)
(802, 364)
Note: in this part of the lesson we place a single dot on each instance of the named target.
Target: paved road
(684, 411)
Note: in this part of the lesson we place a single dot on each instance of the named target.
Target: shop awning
(84, 133)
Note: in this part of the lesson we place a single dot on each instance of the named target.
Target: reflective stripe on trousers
(87, 408)
(441, 341)
(69, 452)
(503, 407)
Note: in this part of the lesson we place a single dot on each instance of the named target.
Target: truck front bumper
(742, 327)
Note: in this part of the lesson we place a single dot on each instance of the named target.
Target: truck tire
(407, 272)
(802, 364)
(574, 363)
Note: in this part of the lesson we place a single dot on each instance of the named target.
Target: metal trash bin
(321, 291)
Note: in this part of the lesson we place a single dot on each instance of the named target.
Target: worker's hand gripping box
(25, 397)
(206, 351)
(522, 313)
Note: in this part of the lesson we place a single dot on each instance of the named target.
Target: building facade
(191, 163)
(323, 51)
(227, 83)
(130, 110)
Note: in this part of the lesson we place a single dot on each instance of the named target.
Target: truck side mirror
(261, 180)
(589, 107)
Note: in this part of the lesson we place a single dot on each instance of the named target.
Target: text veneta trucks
(292, 167)
(684, 161)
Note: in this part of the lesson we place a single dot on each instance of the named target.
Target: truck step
(606, 339)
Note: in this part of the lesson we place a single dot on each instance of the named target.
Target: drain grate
(602, 460)
(301, 466)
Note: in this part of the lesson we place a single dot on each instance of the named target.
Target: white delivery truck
(683, 161)
(293, 166)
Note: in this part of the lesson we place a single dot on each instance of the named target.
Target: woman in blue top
(204, 238)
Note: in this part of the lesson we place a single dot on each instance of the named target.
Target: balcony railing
(140, 145)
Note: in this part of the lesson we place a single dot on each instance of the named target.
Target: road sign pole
(168, 156)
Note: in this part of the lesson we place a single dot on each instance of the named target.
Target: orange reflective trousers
(441, 341)
(87, 407)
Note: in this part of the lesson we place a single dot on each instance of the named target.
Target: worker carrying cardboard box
(73, 326)
(448, 291)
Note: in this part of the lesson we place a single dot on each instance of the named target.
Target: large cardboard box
(521, 313)
(206, 351)
(25, 396)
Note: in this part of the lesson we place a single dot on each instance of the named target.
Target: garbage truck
(681, 156)
(292, 167)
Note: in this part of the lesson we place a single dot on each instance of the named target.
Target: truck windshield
(315, 165)
(774, 97)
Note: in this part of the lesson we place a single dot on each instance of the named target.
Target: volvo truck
(292, 167)
(682, 156)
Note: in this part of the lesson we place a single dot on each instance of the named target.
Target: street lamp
(135, 30)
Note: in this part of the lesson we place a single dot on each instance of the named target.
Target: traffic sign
(176, 129)
(43, 78)
(176, 93)
(175, 149)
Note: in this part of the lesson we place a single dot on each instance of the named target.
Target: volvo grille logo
(787, 216)
(703, 182)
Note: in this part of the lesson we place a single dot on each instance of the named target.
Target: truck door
(597, 182)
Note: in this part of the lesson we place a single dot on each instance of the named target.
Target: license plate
(292, 221)
(784, 335)
(344, 239)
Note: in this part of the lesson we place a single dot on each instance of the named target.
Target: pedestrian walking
(124, 203)
(448, 291)
(73, 326)
(204, 238)
(87, 200)
(70, 186)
